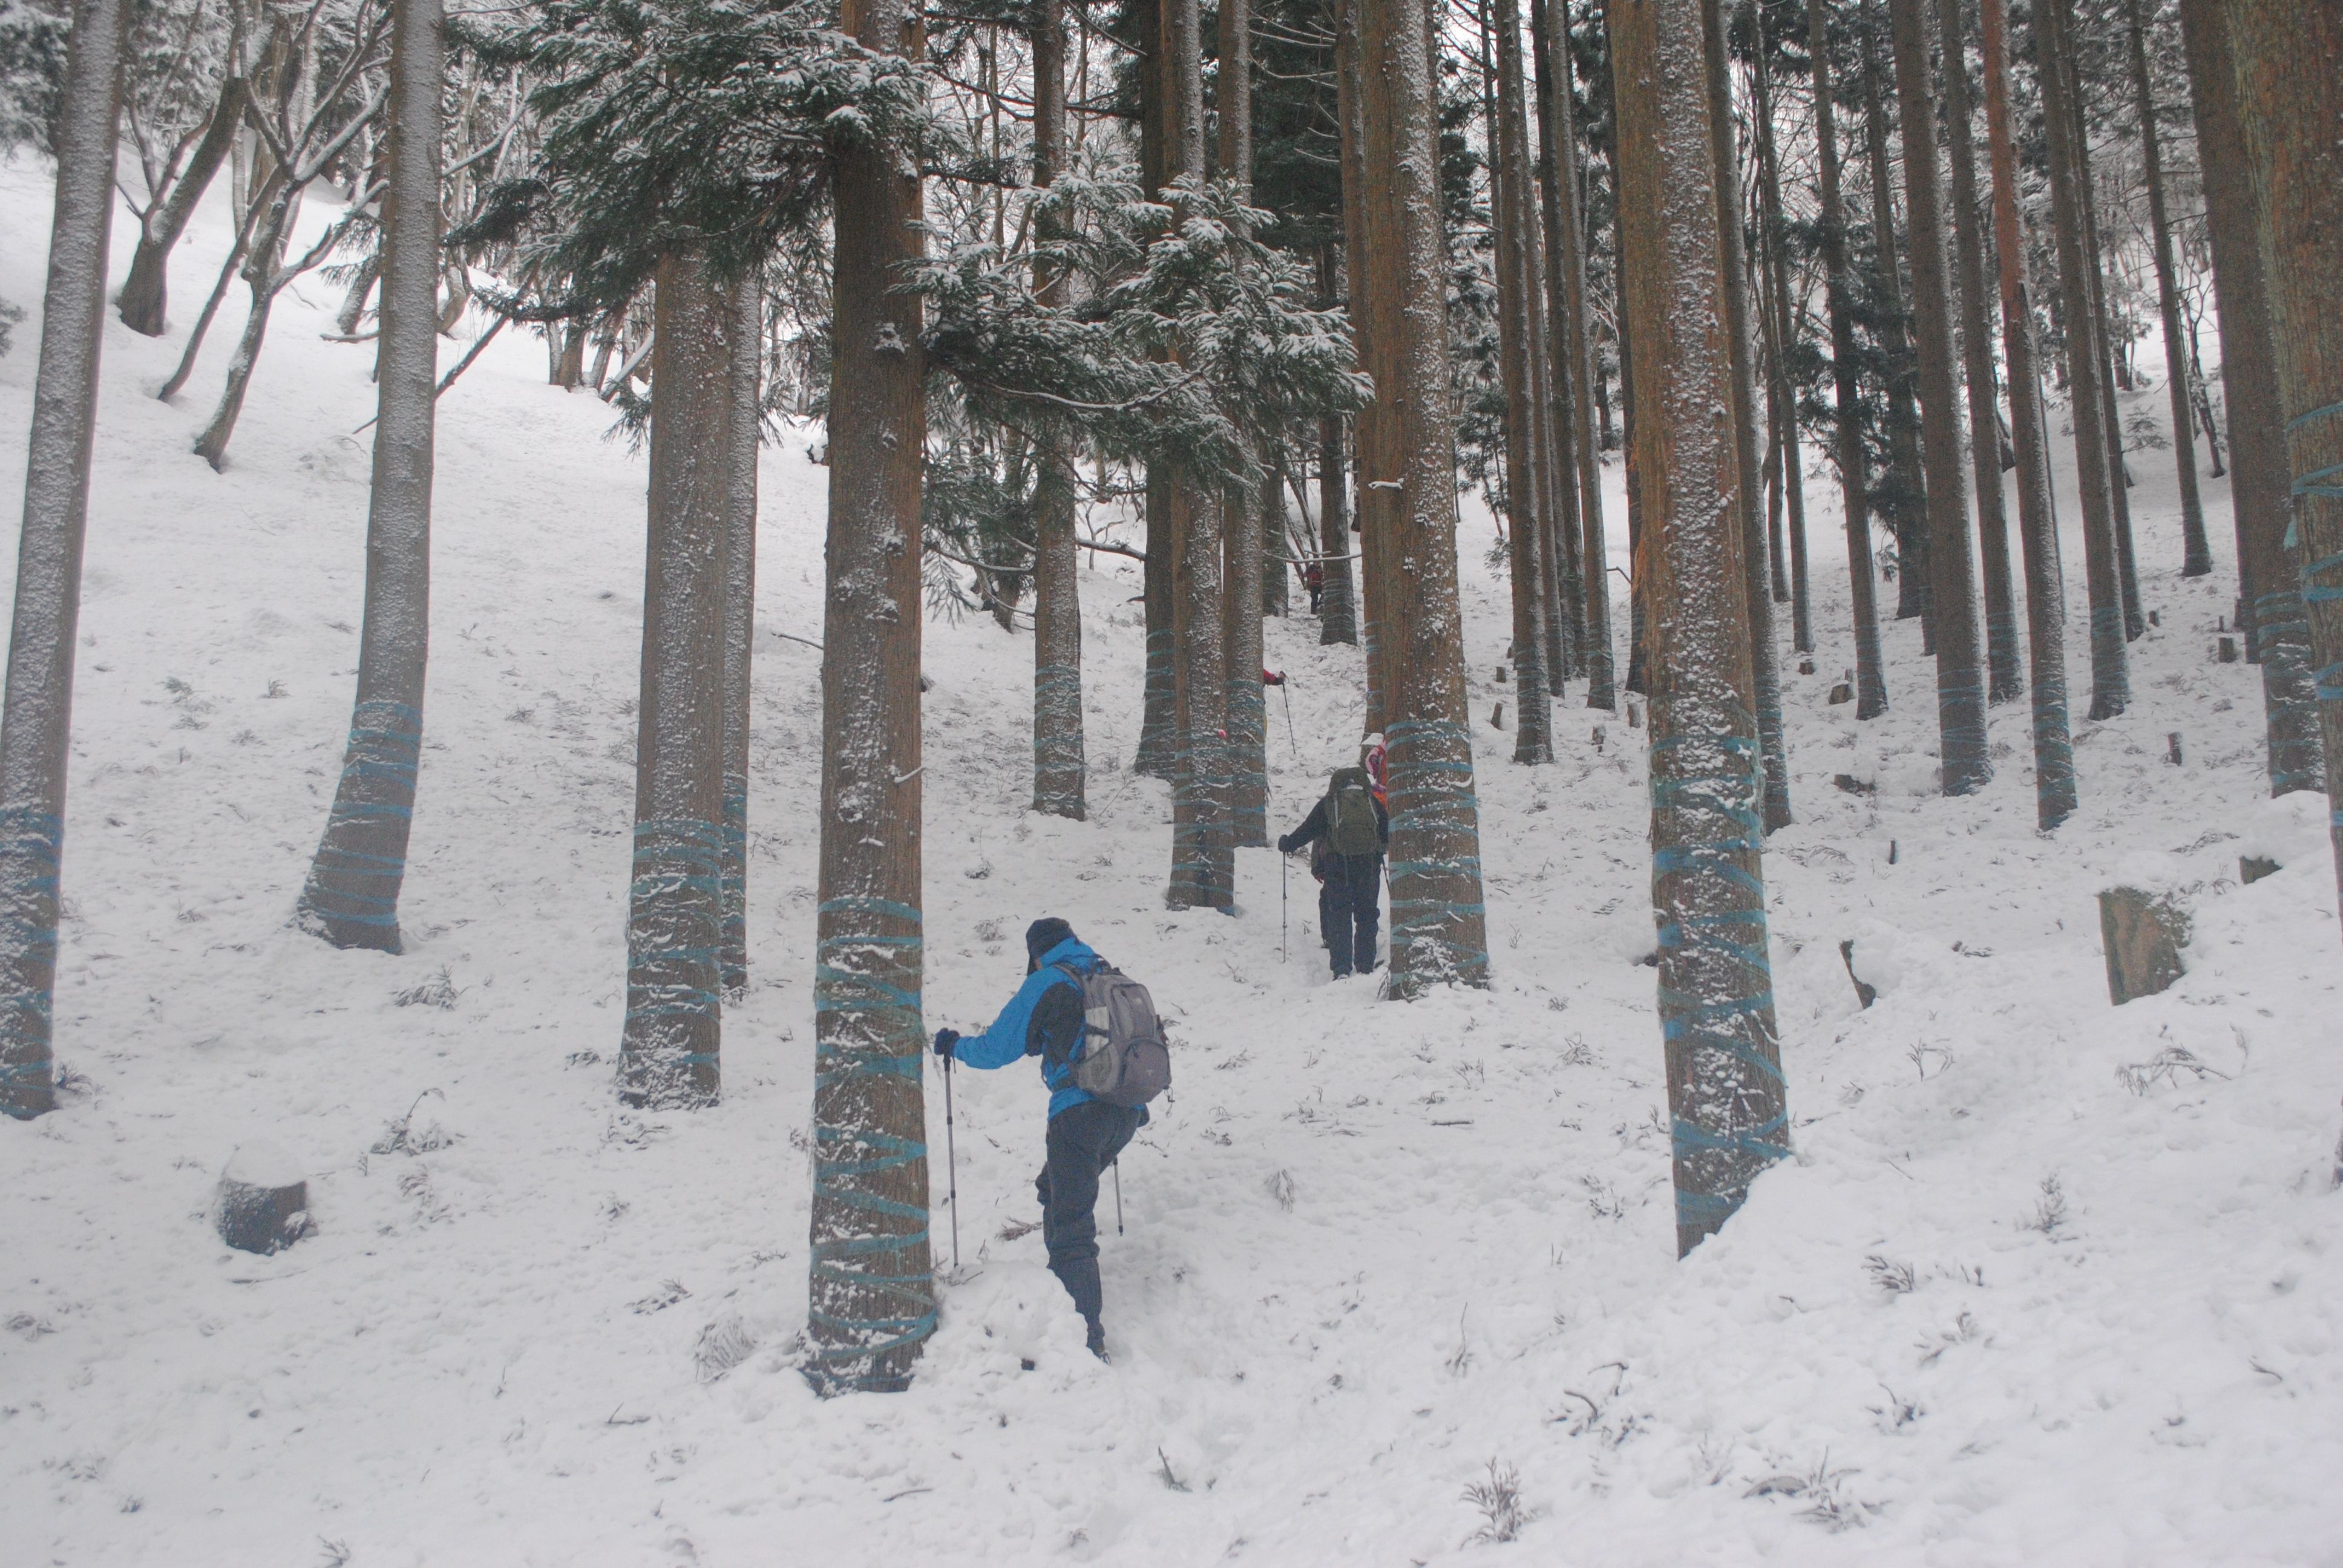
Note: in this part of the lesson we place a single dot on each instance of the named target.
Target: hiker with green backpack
(1103, 1058)
(1355, 828)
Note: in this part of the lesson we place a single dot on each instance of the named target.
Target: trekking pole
(1118, 1197)
(1285, 867)
(952, 1163)
(1290, 740)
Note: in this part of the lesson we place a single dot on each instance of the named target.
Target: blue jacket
(1045, 1018)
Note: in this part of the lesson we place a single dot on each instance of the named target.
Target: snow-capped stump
(264, 1200)
(1844, 692)
(2143, 933)
(2252, 868)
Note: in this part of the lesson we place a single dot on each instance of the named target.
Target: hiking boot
(1097, 1338)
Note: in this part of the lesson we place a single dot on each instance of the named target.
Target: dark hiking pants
(1348, 906)
(1083, 1141)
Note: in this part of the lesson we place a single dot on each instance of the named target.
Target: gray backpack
(1121, 1058)
(1351, 814)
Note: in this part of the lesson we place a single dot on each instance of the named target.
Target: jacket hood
(1067, 951)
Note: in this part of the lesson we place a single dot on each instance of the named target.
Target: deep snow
(2035, 1288)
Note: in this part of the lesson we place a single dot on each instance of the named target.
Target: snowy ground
(1370, 1248)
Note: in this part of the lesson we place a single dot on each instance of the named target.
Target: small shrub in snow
(440, 991)
(1281, 1187)
(1575, 1052)
(1824, 1490)
(1892, 1277)
(1499, 1499)
(1603, 1200)
(2050, 1209)
(28, 1327)
(1898, 1412)
(337, 1552)
(2166, 1067)
(402, 1137)
(669, 1292)
(722, 1345)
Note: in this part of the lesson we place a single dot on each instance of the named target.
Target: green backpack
(1351, 814)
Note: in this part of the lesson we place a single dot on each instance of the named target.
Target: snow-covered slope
(2037, 1289)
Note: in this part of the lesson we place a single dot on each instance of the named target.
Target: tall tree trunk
(1725, 1094)
(351, 898)
(1203, 855)
(1338, 617)
(2054, 797)
(1158, 721)
(144, 300)
(1854, 484)
(2291, 102)
(1243, 535)
(1059, 773)
(2267, 566)
(744, 436)
(1573, 357)
(263, 277)
(1373, 322)
(1438, 921)
(2110, 663)
(1908, 483)
(871, 1295)
(37, 717)
(1565, 610)
(1741, 370)
(1960, 665)
(2002, 681)
(1527, 472)
(2197, 552)
(668, 1056)
(1782, 396)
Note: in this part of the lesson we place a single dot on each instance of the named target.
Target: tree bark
(2197, 553)
(1854, 484)
(1564, 605)
(2267, 566)
(1518, 270)
(871, 1295)
(1373, 324)
(2290, 103)
(1243, 535)
(351, 897)
(1715, 992)
(2054, 797)
(2110, 670)
(1740, 368)
(1158, 720)
(1960, 667)
(1438, 922)
(1059, 771)
(2002, 682)
(1908, 483)
(1574, 359)
(1338, 617)
(36, 715)
(744, 435)
(144, 300)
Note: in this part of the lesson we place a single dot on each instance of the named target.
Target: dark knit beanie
(1044, 934)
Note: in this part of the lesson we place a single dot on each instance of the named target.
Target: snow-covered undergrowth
(2046, 1282)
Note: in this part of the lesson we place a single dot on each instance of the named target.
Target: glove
(1286, 846)
(945, 1039)
(1272, 677)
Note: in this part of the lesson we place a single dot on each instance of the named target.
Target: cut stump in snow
(2252, 868)
(2226, 650)
(2143, 933)
(1842, 693)
(264, 1200)
(1863, 993)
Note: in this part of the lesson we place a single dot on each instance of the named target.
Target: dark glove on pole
(946, 1039)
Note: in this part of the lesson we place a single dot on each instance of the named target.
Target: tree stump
(1497, 717)
(1843, 692)
(1863, 993)
(2143, 933)
(2226, 650)
(264, 1200)
(2252, 868)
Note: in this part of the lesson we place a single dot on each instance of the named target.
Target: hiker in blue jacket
(1045, 1018)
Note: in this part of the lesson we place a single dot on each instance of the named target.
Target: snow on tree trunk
(1575, 360)
(1741, 347)
(1967, 226)
(1058, 758)
(744, 436)
(1965, 766)
(1526, 474)
(2110, 660)
(871, 1295)
(675, 903)
(2054, 797)
(1203, 871)
(2196, 551)
(37, 717)
(262, 266)
(1782, 403)
(144, 302)
(2268, 565)
(351, 897)
(1853, 477)
(2291, 101)
(1715, 992)
(1438, 921)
